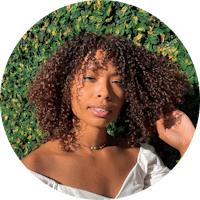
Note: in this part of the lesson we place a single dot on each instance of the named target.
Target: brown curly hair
(152, 85)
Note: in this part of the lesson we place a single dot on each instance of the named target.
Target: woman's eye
(88, 78)
(117, 81)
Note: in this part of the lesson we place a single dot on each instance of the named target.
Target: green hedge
(47, 35)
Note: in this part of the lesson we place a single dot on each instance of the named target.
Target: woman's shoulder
(142, 152)
(40, 159)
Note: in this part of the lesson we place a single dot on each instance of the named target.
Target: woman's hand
(176, 131)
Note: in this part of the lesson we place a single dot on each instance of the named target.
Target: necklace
(96, 148)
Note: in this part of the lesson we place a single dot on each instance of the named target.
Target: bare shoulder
(134, 151)
(40, 159)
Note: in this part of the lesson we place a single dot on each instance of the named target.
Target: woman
(85, 85)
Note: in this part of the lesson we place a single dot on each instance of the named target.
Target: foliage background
(18, 16)
(52, 31)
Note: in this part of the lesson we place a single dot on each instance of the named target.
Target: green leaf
(89, 29)
(191, 79)
(124, 9)
(152, 39)
(190, 70)
(27, 104)
(158, 30)
(184, 66)
(108, 11)
(108, 19)
(190, 63)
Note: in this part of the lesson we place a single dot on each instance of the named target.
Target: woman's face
(97, 98)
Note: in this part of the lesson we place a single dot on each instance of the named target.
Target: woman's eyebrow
(115, 74)
(95, 70)
(91, 68)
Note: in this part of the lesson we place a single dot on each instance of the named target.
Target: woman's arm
(177, 131)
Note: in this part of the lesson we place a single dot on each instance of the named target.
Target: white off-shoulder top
(148, 170)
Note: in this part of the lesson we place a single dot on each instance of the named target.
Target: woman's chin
(98, 123)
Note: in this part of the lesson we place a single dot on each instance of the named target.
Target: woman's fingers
(176, 130)
(160, 128)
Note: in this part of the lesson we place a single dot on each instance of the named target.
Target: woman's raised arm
(177, 131)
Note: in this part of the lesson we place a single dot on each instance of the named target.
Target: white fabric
(148, 170)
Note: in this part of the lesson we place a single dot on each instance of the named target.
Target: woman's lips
(99, 113)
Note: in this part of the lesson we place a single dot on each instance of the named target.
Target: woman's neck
(92, 136)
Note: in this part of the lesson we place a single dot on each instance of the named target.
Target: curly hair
(152, 85)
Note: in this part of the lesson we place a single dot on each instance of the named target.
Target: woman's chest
(104, 176)
(97, 180)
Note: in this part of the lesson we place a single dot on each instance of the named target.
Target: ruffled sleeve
(46, 180)
(153, 167)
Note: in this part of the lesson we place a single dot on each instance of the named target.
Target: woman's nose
(106, 97)
(104, 91)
